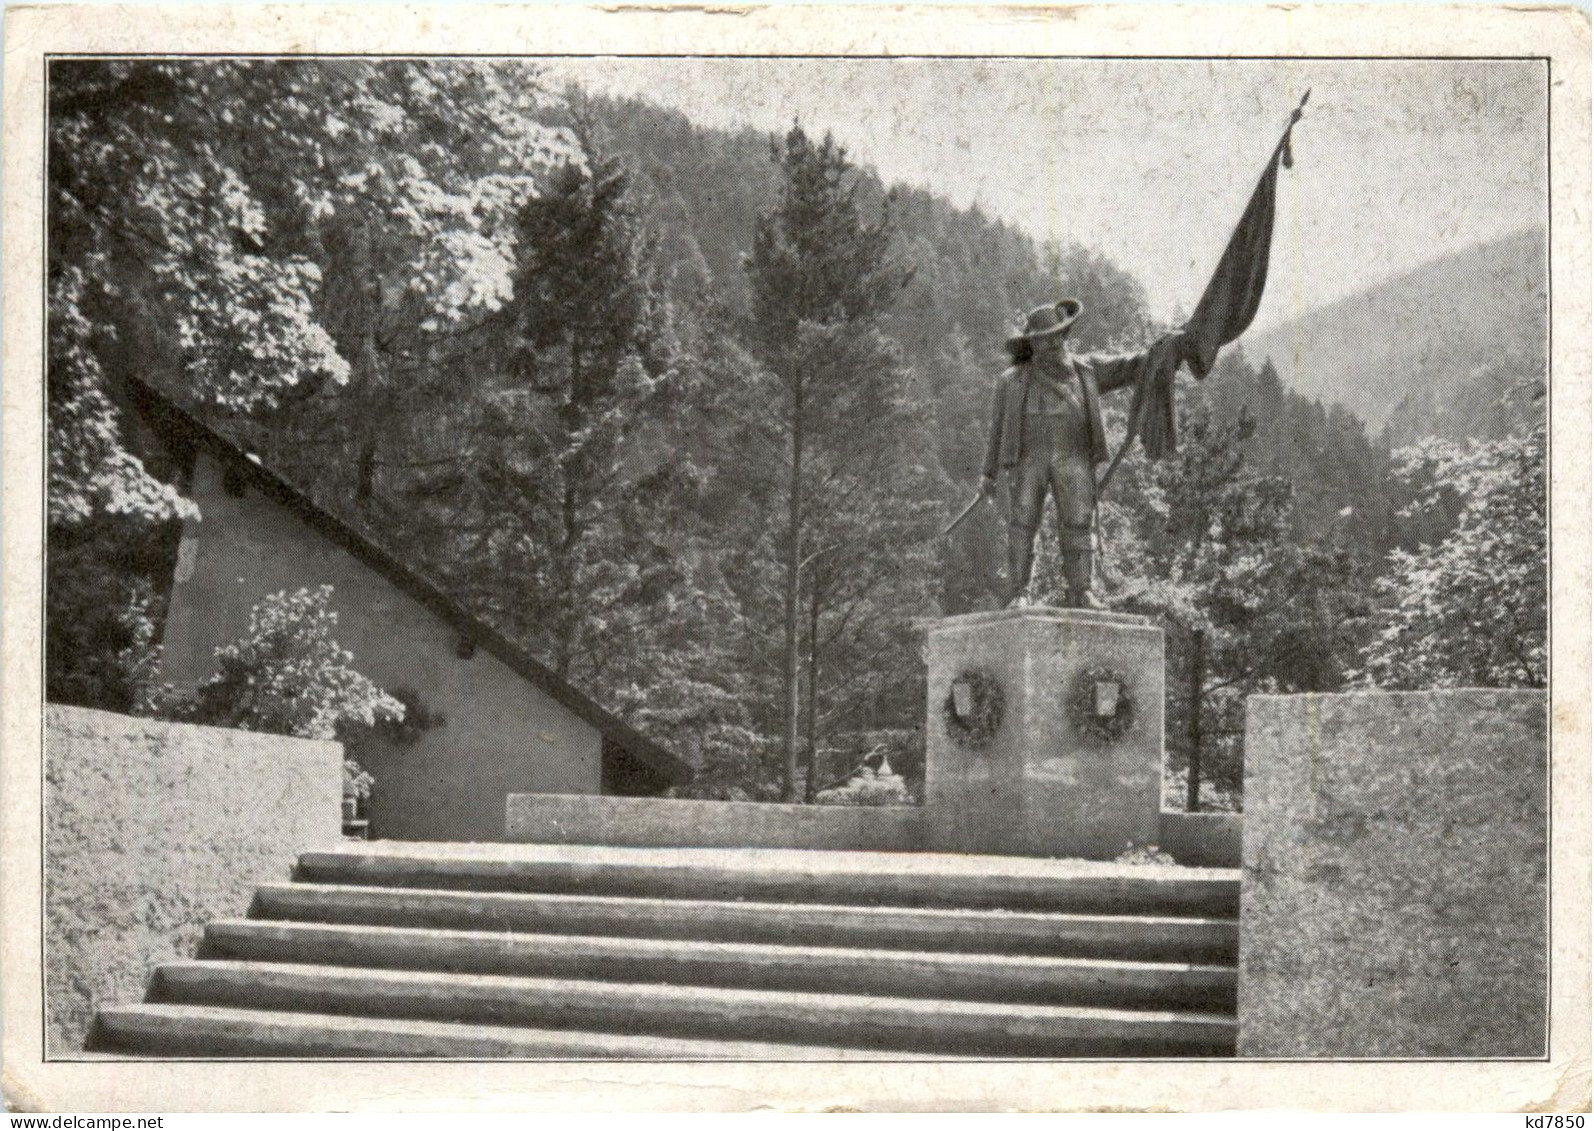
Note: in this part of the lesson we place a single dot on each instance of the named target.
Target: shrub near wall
(151, 830)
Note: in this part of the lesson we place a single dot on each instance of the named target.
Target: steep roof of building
(176, 422)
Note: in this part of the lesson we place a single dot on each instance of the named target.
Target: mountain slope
(1430, 351)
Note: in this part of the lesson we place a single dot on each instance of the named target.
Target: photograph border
(1569, 726)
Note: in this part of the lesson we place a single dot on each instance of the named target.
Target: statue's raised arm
(1114, 371)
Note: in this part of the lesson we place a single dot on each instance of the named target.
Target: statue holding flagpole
(1046, 432)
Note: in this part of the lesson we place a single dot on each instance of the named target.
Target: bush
(729, 763)
(869, 784)
(356, 782)
(416, 720)
(1471, 610)
(288, 676)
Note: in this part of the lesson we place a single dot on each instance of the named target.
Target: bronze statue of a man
(1046, 427)
(1047, 435)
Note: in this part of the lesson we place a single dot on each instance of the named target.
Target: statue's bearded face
(1050, 350)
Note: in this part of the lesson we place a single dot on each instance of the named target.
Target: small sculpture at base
(871, 782)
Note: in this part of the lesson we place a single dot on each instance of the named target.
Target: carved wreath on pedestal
(1100, 704)
(973, 709)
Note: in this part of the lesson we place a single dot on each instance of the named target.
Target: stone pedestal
(1074, 766)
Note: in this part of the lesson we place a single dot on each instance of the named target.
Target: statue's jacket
(1093, 375)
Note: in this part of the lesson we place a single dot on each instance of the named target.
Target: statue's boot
(1020, 562)
(1078, 564)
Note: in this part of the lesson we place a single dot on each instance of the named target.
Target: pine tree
(873, 510)
(820, 277)
(561, 504)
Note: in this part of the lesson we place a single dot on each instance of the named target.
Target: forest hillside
(1436, 351)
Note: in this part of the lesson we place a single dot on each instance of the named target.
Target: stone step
(854, 1021)
(777, 875)
(1139, 937)
(971, 977)
(211, 1031)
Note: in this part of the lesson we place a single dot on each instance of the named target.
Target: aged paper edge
(1560, 34)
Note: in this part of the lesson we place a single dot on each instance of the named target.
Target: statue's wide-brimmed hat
(1047, 321)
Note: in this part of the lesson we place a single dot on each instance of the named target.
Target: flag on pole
(1223, 314)
(1235, 290)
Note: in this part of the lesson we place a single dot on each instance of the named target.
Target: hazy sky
(1151, 162)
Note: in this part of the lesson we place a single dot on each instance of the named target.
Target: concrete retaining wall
(1201, 840)
(151, 830)
(651, 822)
(1393, 900)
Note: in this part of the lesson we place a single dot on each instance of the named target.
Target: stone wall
(652, 822)
(151, 830)
(1201, 840)
(1393, 900)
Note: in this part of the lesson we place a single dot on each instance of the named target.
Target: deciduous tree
(190, 202)
(1471, 609)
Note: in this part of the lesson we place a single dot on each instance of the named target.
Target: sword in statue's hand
(986, 490)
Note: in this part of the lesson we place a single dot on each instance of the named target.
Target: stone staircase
(524, 951)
